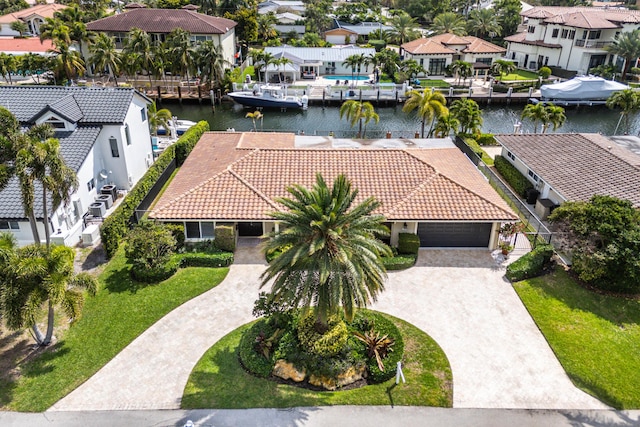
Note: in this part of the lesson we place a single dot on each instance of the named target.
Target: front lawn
(121, 310)
(219, 381)
(434, 83)
(518, 75)
(595, 337)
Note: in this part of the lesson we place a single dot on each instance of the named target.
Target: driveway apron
(498, 356)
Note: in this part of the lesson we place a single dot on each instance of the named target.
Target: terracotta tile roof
(583, 17)
(441, 43)
(20, 46)
(163, 21)
(43, 10)
(579, 165)
(219, 181)
(522, 38)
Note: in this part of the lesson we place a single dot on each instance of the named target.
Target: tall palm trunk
(45, 219)
(50, 318)
(422, 132)
(37, 334)
(34, 227)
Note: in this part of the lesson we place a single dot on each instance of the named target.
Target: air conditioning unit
(110, 189)
(90, 235)
(97, 209)
(106, 199)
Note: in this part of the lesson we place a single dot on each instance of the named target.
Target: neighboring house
(281, 6)
(313, 61)
(436, 53)
(345, 33)
(104, 137)
(289, 22)
(33, 17)
(426, 187)
(160, 22)
(22, 46)
(573, 167)
(572, 38)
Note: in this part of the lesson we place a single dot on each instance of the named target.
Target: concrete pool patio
(498, 357)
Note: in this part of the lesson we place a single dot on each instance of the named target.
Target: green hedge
(226, 237)
(116, 226)
(399, 262)
(531, 264)
(408, 243)
(473, 144)
(518, 182)
(249, 358)
(486, 139)
(155, 275)
(197, 259)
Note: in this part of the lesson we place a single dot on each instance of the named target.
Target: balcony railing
(591, 44)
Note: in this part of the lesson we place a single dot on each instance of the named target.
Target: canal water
(321, 121)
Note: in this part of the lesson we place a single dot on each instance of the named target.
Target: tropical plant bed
(220, 381)
(121, 310)
(596, 337)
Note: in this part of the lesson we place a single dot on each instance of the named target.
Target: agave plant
(377, 346)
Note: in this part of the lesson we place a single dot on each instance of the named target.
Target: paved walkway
(498, 357)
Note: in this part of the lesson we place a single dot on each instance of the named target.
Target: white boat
(268, 96)
(581, 89)
(176, 127)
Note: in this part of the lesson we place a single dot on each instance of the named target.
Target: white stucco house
(104, 137)
(572, 38)
(32, 16)
(313, 61)
(158, 23)
(281, 6)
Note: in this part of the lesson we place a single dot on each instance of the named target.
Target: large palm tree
(502, 67)
(8, 66)
(333, 258)
(182, 51)
(280, 64)
(158, 118)
(429, 104)
(56, 30)
(536, 113)
(461, 69)
(449, 22)
(404, 28)
(628, 101)
(33, 277)
(75, 18)
(210, 62)
(139, 43)
(39, 160)
(627, 46)
(555, 117)
(359, 112)
(468, 114)
(352, 61)
(67, 60)
(266, 26)
(105, 56)
(445, 125)
(9, 131)
(484, 23)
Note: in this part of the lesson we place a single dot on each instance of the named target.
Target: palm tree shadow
(120, 281)
(41, 363)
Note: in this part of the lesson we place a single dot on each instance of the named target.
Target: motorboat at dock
(268, 96)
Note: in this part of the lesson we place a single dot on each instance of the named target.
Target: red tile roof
(579, 166)
(442, 43)
(225, 179)
(163, 21)
(584, 17)
(20, 45)
(43, 10)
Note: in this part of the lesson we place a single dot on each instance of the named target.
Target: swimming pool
(336, 77)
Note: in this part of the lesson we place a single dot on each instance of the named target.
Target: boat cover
(582, 88)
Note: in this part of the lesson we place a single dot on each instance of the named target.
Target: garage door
(249, 229)
(459, 235)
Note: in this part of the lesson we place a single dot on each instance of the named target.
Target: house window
(422, 62)
(127, 134)
(143, 114)
(114, 147)
(9, 225)
(206, 230)
(533, 175)
(486, 61)
(593, 35)
(510, 155)
(91, 184)
(565, 33)
(555, 32)
(572, 34)
(437, 66)
(55, 123)
(193, 230)
(531, 29)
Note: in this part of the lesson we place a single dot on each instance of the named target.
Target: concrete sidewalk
(498, 356)
(352, 416)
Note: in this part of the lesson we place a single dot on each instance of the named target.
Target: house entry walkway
(498, 356)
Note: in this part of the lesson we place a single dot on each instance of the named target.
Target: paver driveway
(498, 357)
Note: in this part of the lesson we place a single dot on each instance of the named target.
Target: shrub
(544, 72)
(253, 361)
(518, 182)
(378, 45)
(408, 243)
(157, 274)
(531, 264)
(326, 344)
(212, 260)
(149, 250)
(177, 230)
(226, 237)
(189, 140)
(116, 226)
(486, 159)
(399, 262)
(635, 70)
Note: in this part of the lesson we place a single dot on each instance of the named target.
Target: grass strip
(218, 381)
